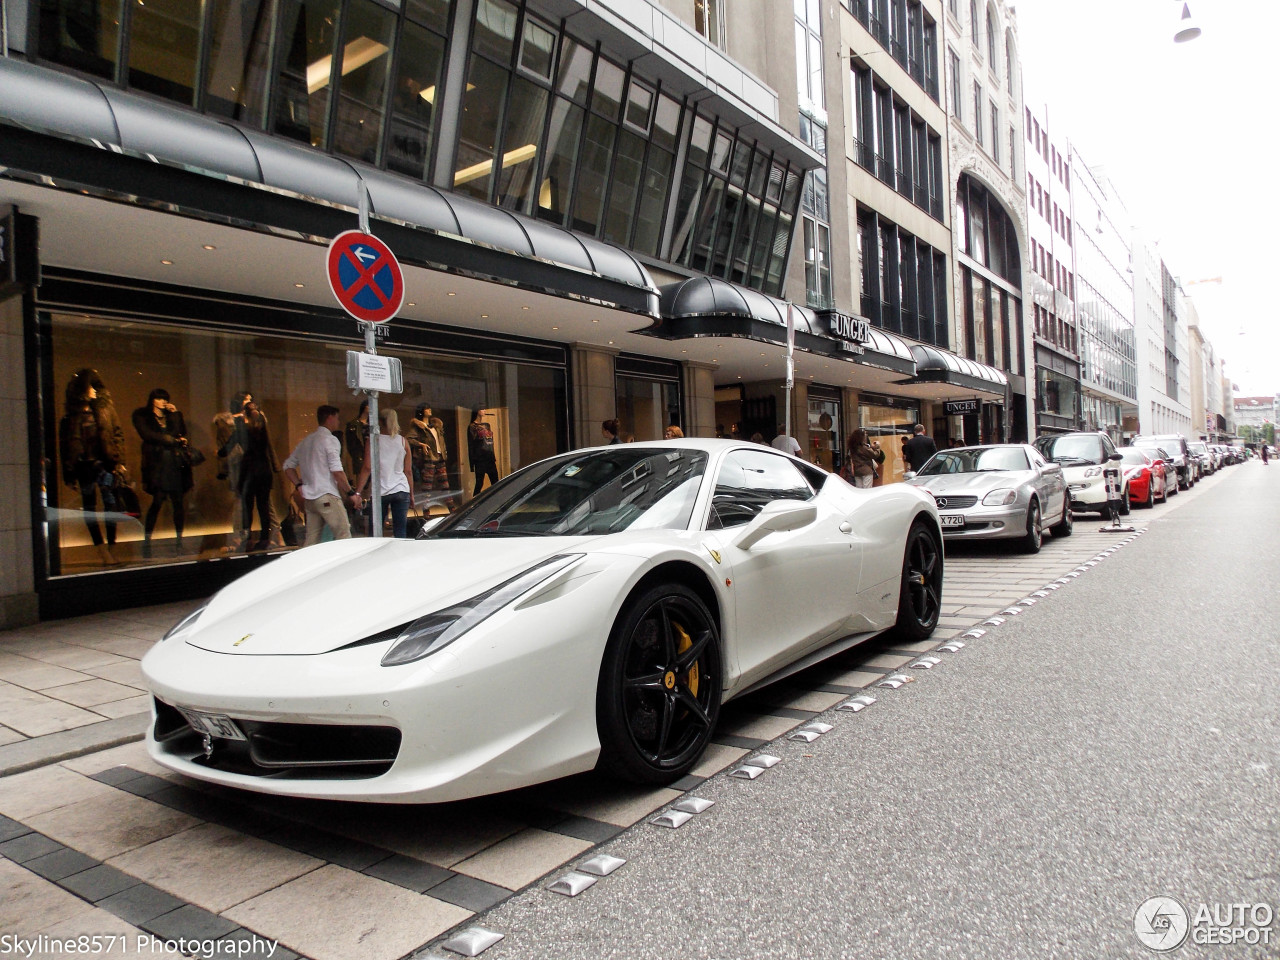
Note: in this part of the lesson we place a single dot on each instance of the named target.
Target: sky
(1189, 136)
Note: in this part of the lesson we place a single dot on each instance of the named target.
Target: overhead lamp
(1187, 28)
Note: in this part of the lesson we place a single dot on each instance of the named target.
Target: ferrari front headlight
(1001, 497)
(437, 630)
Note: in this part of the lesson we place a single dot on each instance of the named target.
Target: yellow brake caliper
(685, 642)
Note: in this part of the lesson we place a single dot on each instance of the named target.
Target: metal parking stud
(855, 704)
(895, 681)
(762, 760)
(601, 865)
(994, 621)
(1040, 594)
(951, 646)
(1012, 611)
(1052, 586)
(572, 884)
(672, 819)
(819, 727)
(805, 736)
(473, 941)
(1028, 601)
(743, 773)
(975, 633)
(926, 663)
(694, 805)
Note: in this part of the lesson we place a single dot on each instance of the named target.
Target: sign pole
(791, 365)
(368, 283)
(371, 347)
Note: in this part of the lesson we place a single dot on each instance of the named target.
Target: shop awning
(708, 307)
(935, 365)
(66, 131)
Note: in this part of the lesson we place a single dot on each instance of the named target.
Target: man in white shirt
(315, 470)
(786, 443)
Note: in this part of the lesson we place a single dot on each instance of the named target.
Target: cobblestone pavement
(95, 839)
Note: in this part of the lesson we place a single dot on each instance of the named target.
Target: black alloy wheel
(1151, 494)
(1066, 525)
(660, 685)
(1034, 536)
(920, 596)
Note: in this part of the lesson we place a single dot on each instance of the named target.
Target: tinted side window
(748, 480)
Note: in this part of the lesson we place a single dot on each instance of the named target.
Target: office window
(708, 20)
(977, 112)
(953, 84)
(995, 132)
(973, 24)
(991, 39)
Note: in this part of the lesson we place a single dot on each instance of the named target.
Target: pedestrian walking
(918, 449)
(609, 432)
(673, 433)
(319, 482)
(862, 466)
(786, 443)
(395, 466)
(484, 459)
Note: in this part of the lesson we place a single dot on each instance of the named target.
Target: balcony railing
(884, 168)
(863, 155)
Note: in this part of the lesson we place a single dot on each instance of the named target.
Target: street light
(1187, 29)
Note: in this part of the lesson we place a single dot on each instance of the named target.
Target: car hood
(330, 595)
(977, 484)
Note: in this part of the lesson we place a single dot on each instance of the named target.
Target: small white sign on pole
(371, 371)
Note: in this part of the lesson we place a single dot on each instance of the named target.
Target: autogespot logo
(1161, 923)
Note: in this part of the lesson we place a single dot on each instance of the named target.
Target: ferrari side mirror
(776, 517)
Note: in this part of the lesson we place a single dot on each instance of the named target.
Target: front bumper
(987, 523)
(508, 705)
(1088, 494)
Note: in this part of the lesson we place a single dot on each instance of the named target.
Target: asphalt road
(1118, 741)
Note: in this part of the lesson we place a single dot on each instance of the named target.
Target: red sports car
(1144, 477)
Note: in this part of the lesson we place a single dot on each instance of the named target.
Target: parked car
(999, 491)
(1175, 446)
(1083, 458)
(1200, 450)
(595, 608)
(1145, 477)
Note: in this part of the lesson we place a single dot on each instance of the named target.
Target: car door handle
(846, 527)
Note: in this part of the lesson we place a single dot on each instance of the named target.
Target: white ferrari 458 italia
(592, 609)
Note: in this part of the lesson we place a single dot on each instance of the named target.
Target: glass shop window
(118, 497)
(308, 34)
(364, 65)
(646, 407)
(164, 45)
(81, 35)
(238, 67)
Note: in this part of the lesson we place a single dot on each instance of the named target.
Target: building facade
(1103, 292)
(1166, 359)
(603, 210)
(984, 101)
(1050, 275)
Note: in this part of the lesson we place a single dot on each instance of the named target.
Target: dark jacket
(918, 450)
(480, 442)
(163, 468)
(85, 453)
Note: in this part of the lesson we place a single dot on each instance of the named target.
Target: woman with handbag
(862, 465)
(167, 459)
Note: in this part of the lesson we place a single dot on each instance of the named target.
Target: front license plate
(212, 724)
(952, 519)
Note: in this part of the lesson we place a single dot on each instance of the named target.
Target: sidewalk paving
(71, 686)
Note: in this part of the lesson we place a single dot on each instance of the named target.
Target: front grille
(955, 503)
(298, 750)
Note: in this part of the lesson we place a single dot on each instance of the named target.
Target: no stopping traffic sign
(365, 276)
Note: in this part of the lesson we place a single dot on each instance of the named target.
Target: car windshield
(1154, 449)
(1133, 456)
(974, 460)
(1072, 449)
(1198, 448)
(592, 493)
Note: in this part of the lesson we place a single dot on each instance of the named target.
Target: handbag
(126, 491)
(191, 456)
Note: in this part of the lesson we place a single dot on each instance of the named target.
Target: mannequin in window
(425, 434)
(166, 471)
(258, 469)
(91, 446)
(484, 461)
